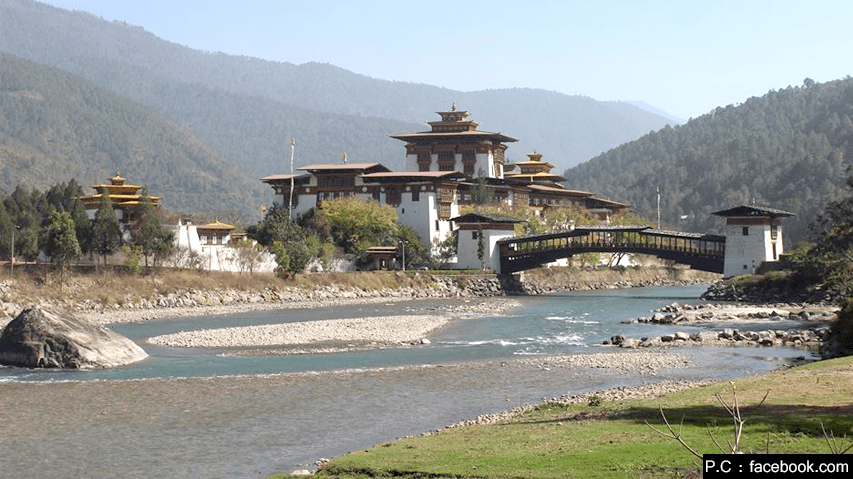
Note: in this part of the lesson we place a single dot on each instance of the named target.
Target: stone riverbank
(217, 301)
(806, 326)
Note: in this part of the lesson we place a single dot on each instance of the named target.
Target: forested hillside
(787, 149)
(56, 127)
(249, 108)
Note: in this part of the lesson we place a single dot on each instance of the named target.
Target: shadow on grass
(766, 418)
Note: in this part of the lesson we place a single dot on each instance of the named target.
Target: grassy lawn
(612, 439)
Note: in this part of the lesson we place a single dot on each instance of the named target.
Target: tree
(830, 260)
(247, 255)
(481, 248)
(272, 228)
(447, 249)
(106, 230)
(26, 219)
(358, 224)
(292, 245)
(148, 231)
(416, 252)
(831, 257)
(483, 194)
(61, 242)
(65, 197)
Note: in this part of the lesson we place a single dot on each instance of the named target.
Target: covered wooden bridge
(700, 251)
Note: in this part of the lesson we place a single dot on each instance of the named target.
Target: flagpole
(290, 203)
(658, 207)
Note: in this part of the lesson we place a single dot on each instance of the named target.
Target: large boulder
(41, 337)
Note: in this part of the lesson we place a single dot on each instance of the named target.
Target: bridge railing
(642, 239)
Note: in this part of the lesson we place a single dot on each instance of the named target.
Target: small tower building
(479, 233)
(753, 236)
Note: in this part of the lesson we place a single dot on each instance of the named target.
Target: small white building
(753, 236)
(477, 240)
(211, 247)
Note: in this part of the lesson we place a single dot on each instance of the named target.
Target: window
(335, 181)
(424, 160)
(746, 230)
(416, 194)
(392, 196)
(446, 160)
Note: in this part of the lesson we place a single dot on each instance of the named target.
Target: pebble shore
(811, 330)
(636, 362)
(386, 330)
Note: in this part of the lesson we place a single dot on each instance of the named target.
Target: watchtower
(753, 236)
(479, 234)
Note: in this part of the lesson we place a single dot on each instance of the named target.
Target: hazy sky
(684, 57)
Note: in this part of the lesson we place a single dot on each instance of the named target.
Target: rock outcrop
(42, 337)
(763, 293)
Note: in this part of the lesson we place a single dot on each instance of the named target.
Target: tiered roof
(532, 170)
(122, 195)
(455, 125)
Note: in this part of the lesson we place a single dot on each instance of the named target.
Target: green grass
(613, 439)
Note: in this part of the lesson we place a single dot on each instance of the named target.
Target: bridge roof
(579, 231)
(646, 230)
(591, 228)
(753, 210)
(486, 218)
(682, 234)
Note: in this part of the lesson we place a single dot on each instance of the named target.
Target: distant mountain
(249, 109)
(55, 126)
(787, 149)
(657, 111)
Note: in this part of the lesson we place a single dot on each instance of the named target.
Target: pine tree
(148, 231)
(60, 242)
(106, 230)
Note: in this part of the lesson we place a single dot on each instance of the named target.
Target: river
(213, 413)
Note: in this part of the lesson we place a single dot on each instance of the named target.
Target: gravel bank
(385, 330)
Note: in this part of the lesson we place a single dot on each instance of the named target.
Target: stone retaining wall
(431, 286)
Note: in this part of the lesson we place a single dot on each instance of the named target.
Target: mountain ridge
(82, 43)
(55, 126)
(787, 149)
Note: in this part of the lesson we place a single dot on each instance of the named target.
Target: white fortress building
(753, 236)
(445, 166)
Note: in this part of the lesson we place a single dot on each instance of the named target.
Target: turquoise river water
(212, 413)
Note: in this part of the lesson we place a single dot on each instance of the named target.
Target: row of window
(393, 196)
(212, 239)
